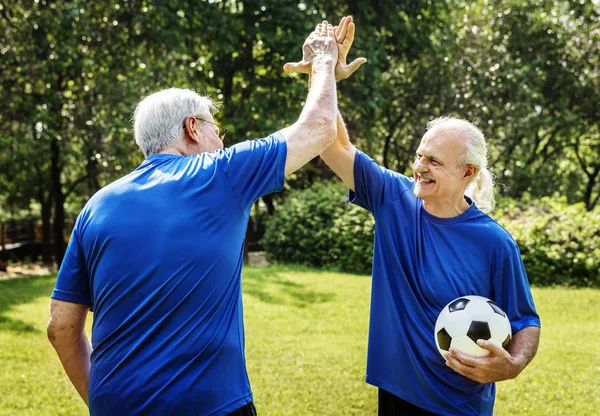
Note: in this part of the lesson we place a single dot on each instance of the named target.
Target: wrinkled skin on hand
(344, 35)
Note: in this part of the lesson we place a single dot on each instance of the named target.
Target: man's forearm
(342, 140)
(321, 102)
(74, 352)
(340, 155)
(524, 345)
(315, 128)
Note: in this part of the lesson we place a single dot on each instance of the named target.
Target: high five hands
(344, 36)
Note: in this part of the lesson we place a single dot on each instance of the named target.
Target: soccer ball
(469, 318)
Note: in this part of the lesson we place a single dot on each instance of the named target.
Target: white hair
(481, 188)
(158, 119)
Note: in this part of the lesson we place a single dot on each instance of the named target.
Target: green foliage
(560, 243)
(318, 227)
(71, 74)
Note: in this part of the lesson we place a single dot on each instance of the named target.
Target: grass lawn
(306, 334)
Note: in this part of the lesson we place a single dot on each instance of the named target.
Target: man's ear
(470, 172)
(189, 130)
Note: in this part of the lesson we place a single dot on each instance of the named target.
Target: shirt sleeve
(374, 184)
(73, 283)
(255, 168)
(513, 293)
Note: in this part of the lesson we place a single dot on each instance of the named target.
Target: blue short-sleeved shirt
(420, 264)
(158, 256)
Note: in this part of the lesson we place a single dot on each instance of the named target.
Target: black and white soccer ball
(469, 318)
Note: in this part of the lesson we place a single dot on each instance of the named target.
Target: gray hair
(481, 187)
(158, 119)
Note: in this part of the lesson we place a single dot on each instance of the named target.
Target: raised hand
(320, 44)
(344, 34)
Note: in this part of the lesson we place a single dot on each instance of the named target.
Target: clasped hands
(321, 43)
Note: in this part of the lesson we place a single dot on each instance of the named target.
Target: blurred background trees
(526, 72)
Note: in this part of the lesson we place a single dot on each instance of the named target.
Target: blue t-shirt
(421, 263)
(158, 257)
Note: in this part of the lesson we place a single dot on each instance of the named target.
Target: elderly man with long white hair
(434, 243)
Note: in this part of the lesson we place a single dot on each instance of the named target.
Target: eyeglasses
(221, 130)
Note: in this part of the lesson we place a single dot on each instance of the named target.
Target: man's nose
(419, 166)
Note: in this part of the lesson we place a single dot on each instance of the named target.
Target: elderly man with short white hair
(157, 255)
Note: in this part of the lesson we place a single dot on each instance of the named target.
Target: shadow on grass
(271, 286)
(267, 284)
(15, 292)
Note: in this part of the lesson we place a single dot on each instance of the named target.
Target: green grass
(306, 334)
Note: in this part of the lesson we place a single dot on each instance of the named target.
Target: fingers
(350, 69)
(347, 40)
(483, 369)
(344, 72)
(461, 366)
(330, 32)
(466, 371)
(343, 29)
(350, 33)
(455, 364)
(462, 358)
(493, 346)
(301, 67)
(324, 28)
(354, 65)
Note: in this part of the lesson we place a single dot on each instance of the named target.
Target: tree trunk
(2, 240)
(268, 200)
(46, 240)
(59, 208)
(589, 189)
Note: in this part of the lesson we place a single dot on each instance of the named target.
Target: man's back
(186, 366)
(163, 248)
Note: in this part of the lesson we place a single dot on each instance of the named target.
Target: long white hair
(158, 119)
(481, 187)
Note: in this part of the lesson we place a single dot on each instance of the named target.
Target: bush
(560, 243)
(318, 227)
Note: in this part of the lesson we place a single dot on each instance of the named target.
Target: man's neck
(172, 151)
(446, 209)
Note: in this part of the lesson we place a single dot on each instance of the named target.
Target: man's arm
(340, 155)
(501, 364)
(316, 127)
(66, 332)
